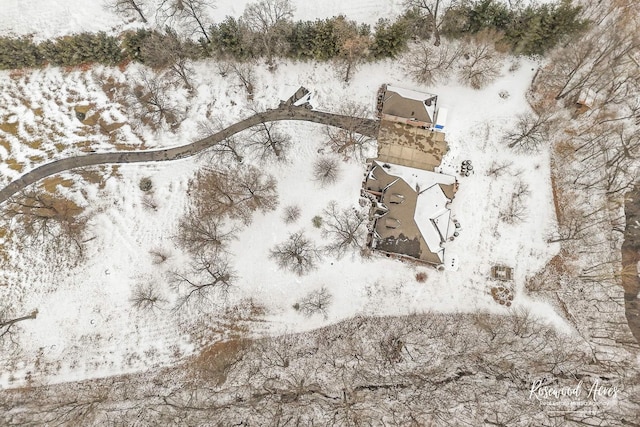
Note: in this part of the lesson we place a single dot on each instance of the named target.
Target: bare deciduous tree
(521, 189)
(291, 214)
(428, 64)
(129, 7)
(348, 141)
(531, 132)
(573, 224)
(316, 302)
(190, 15)
(482, 62)
(607, 153)
(209, 276)
(147, 297)
(170, 51)
(156, 108)
(50, 220)
(433, 11)
(515, 211)
(200, 232)
(297, 254)
(8, 321)
(265, 19)
(326, 170)
(345, 229)
(235, 193)
(352, 53)
(245, 71)
(599, 61)
(257, 190)
(497, 169)
(227, 147)
(267, 140)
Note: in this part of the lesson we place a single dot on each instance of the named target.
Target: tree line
(532, 30)
(266, 31)
(396, 371)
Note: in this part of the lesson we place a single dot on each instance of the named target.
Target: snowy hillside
(86, 325)
(165, 291)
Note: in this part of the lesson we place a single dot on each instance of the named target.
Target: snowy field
(52, 18)
(86, 326)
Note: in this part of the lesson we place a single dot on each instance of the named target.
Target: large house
(410, 197)
(411, 210)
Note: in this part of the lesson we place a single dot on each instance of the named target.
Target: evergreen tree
(321, 39)
(229, 38)
(418, 25)
(532, 30)
(537, 29)
(19, 53)
(301, 40)
(82, 48)
(389, 38)
(488, 14)
(132, 42)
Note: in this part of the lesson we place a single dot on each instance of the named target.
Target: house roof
(409, 104)
(417, 178)
(416, 220)
(431, 205)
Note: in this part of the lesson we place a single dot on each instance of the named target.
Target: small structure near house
(586, 98)
(441, 119)
(406, 106)
(502, 272)
(298, 99)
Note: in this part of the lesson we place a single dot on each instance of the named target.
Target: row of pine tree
(527, 31)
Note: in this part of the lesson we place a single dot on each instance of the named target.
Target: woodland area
(448, 370)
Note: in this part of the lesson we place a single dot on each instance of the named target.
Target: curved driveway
(366, 127)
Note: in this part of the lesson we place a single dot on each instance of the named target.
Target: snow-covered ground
(86, 326)
(51, 18)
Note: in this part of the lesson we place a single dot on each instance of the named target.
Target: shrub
(291, 214)
(146, 184)
(326, 170)
(317, 221)
(421, 277)
(316, 302)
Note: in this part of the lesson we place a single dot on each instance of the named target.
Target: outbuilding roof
(409, 104)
